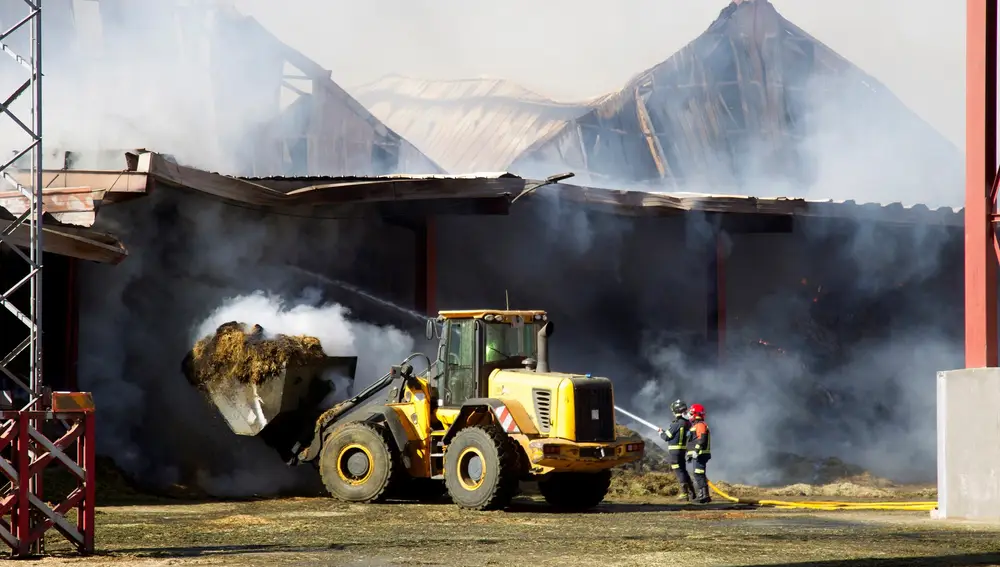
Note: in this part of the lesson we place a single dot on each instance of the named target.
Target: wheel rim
(471, 468)
(354, 464)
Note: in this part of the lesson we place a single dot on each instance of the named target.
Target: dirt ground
(657, 531)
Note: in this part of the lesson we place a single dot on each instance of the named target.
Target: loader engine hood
(576, 407)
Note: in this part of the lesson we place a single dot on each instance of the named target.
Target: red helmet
(697, 411)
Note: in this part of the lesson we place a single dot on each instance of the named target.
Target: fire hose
(924, 506)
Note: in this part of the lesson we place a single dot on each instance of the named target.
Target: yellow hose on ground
(923, 506)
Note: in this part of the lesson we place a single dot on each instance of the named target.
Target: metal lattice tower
(28, 181)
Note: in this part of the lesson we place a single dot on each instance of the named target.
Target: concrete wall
(968, 436)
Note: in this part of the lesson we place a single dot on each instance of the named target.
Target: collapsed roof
(753, 106)
(468, 125)
(752, 103)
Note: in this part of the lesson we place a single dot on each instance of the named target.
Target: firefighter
(699, 450)
(676, 436)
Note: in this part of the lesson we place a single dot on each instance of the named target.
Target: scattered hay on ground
(802, 478)
(238, 521)
(858, 488)
(237, 352)
(629, 484)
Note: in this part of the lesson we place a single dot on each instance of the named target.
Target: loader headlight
(538, 316)
(489, 317)
(550, 449)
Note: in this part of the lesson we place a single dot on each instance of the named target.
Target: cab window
(460, 363)
(507, 342)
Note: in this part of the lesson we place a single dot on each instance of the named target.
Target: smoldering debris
(244, 354)
(795, 476)
(627, 484)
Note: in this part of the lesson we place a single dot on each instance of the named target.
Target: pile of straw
(242, 354)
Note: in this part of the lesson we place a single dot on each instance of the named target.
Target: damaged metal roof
(467, 125)
(319, 196)
(742, 102)
(325, 130)
(74, 197)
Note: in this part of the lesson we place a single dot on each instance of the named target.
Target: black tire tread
(507, 485)
(381, 433)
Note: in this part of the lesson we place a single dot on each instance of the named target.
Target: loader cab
(475, 343)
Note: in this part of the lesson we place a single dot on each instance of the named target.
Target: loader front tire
(575, 491)
(359, 463)
(481, 468)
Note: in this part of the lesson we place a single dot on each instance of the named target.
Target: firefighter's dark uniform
(699, 449)
(676, 436)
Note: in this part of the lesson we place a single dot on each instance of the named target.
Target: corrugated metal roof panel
(650, 201)
(467, 125)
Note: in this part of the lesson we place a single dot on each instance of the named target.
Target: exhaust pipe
(543, 346)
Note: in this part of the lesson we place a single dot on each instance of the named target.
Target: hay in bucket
(240, 353)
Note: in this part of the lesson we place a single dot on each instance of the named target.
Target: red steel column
(980, 170)
(22, 522)
(425, 286)
(430, 299)
(716, 297)
(720, 284)
(87, 459)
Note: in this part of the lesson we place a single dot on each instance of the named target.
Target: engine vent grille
(543, 408)
(594, 411)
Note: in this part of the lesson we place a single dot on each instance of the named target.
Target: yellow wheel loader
(484, 415)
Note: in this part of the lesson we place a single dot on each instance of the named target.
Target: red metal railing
(25, 452)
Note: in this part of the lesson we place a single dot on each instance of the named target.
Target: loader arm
(386, 390)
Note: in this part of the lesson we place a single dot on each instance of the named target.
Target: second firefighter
(699, 450)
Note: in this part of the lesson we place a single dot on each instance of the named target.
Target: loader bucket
(297, 394)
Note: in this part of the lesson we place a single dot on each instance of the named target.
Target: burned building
(779, 311)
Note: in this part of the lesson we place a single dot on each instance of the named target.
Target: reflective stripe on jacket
(677, 434)
(700, 439)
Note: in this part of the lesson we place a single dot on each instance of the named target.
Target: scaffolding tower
(26, 448)
(30, 220)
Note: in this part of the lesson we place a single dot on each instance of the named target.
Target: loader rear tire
(359, 463)
(575, 491)
(481, 468)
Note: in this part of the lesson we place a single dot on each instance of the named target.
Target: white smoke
(377, 348)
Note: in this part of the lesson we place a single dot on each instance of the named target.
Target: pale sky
(576, 49)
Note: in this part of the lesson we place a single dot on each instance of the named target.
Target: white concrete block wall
(968, 435)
